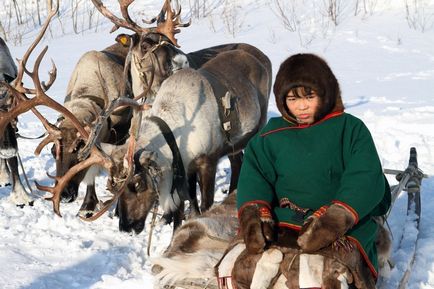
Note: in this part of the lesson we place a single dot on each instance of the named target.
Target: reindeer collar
(179, 178)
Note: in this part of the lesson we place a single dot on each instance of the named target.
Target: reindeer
(218, 259)
(95, 82)
(155, 55)
(201, 242)
(23, 103)
(198, 117)
(9, 174)
(182, 134)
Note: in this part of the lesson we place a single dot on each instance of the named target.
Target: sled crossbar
(410, 180)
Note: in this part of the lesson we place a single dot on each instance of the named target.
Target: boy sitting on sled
(311, 182)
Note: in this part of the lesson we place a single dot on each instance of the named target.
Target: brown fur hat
(307, 70)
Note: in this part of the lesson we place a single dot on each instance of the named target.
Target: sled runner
(169, 274)
(410, 180)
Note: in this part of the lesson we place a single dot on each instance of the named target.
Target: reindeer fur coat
(297, 169)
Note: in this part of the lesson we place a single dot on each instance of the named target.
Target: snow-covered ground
(386, 72)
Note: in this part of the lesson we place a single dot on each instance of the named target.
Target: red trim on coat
(349, 209)
(256, 202)
(300, 126)
(365, 256)
(290, 226)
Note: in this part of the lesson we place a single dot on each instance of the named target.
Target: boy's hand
(321, 230)
(257, 227)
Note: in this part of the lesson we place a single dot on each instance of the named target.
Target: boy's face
(303, 108)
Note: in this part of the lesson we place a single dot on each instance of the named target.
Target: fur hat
(311, 71)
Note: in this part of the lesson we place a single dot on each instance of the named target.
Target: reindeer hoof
(85, 214)
(5, 184)
(30, 204)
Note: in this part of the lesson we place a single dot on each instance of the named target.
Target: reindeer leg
(194, 206)
(19, 195)
(236, 161)
(90, 199)
(207, 168)
(89, 203)
(4, 174)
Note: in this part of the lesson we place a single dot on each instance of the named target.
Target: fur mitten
(257, 227)
(324, 227)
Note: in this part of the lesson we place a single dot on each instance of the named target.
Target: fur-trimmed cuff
(321, 211)
(349, 209)
(257, 203)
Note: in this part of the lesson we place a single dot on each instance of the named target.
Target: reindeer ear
(123, 39)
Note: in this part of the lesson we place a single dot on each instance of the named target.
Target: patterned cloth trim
(301, 126)
(256, 202)
(365, 257)
(349, 209)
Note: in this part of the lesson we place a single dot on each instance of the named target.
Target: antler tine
(161, 18)
(169, 26)
(127, 23)
(54, 135)
(124, 10)
(22, 63)
(96, 157)
(52, 74)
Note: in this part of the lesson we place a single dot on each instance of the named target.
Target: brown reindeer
(200, 241)
(23, 103)
(155, 55)
(96, 81)
(231, 266)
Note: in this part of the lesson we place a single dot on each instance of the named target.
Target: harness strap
(223, 97)
(116, 58)
(179, 177)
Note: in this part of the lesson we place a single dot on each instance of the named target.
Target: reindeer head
(140, 193)
(66, 151)
(22, 104)
(154, 51)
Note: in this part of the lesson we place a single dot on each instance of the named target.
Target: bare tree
(17, 12)
(204, 8)
(418, 16)
(233, 17)
(287, 13)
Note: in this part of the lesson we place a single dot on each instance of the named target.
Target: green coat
(333, 160)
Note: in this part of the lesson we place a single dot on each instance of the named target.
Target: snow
(386, 72)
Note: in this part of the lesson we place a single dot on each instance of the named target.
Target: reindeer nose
(127, 225)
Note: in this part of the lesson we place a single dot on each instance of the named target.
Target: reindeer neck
(152, 139)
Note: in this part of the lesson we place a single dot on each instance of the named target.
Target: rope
(151, 230)
(24, 173)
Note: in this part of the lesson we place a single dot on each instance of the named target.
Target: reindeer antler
(23, 104)
(170, 25)
(129, 168)
(168, 20)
